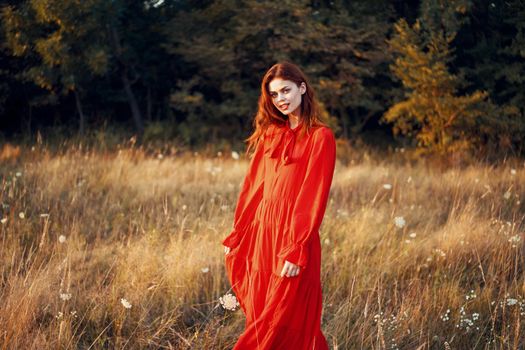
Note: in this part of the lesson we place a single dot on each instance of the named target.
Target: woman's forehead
(278, 83)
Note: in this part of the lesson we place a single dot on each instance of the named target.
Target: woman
(273, 254)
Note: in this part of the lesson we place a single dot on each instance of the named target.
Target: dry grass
(148, 229)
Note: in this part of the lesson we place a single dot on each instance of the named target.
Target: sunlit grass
(121, 249)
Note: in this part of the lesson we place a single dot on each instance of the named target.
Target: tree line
(439, 75)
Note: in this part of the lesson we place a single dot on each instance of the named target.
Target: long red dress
(277, 218)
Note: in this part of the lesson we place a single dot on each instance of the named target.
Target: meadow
(120, 249)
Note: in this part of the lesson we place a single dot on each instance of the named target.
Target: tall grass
(414, 256)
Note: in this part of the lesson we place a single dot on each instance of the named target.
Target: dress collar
(283, 142)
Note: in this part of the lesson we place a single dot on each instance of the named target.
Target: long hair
(268, 114)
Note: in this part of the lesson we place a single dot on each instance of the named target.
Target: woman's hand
(289, 269)
(226, 250)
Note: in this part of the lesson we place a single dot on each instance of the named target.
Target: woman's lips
(284, 106)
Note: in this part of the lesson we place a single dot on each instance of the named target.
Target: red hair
(268, 114)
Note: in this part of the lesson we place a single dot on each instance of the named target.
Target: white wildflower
(439, 252)
(184, 207)
(511, 301)
(341, 212)
(387, 186)
(21, 215)
(65, 296)
(507, 195)
(18, 174)
(61, 239)
(446, 316)
(472, 295)
(514, 240)
(205, 270)
(513, 172)
(235, 155)
(399, 221)
(125, 303)
(229, 302)
(44, 215)
(219, 154)
(3, 221)
(412, 235)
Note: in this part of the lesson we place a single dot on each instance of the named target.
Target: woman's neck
(293, 121)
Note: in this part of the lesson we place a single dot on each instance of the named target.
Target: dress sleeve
(249, 197)
(310, 205)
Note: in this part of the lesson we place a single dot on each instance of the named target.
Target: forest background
(121, 136)
(442, 76)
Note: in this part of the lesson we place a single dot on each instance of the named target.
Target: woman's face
(286, 95)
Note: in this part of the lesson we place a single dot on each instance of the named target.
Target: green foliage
(452, 79)
(433, 111)
(64, 43)
(512, 111)
(339, 45)
(70, 46)
(63, 37)
(489, 58)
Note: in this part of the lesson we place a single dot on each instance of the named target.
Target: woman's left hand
(289, 269)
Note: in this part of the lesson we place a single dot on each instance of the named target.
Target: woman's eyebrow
(284, 87)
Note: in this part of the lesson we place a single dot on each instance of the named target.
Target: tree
(227, 48)
(490, 57)
(433, 111)
(58, 37)
(135, 36)
(69, 46)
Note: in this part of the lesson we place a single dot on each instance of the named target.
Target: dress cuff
(296, 254)
(232, 240)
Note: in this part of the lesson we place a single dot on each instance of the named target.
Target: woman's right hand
(226, 250)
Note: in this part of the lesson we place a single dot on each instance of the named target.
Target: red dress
(277, 218)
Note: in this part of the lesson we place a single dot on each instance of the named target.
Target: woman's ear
(302, 88)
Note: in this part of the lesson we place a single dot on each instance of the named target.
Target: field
(121, 249)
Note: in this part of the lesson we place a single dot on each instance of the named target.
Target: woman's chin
(288, 111)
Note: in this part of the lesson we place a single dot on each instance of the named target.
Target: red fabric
(277, 218)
